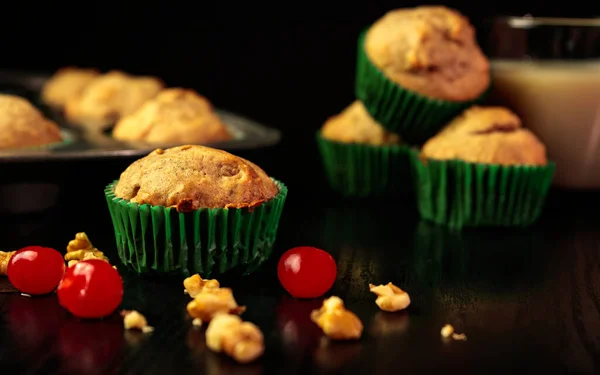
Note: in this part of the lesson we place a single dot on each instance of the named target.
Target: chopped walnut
(72, 263)
(197, 322)
(79, 255)
(4, 259)
(211, 301)
(336, 321)
(389, 297)
(447, 331)
(194, 284)
(242, 341)
(81, 242)
(134, 320)
(81, 248)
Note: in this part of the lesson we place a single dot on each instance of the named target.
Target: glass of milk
(548, 71)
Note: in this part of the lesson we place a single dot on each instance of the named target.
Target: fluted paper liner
(157, 239)
(459, 194)
(362, 170)
(413, 116)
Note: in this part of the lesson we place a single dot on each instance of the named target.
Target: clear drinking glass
(548, 71)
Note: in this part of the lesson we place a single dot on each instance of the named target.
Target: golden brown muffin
(355, 125)
(490, 135)
(173, 116)
(193, 177)
(431, 50)
(109, 97)
(65, 84)
(23, 125)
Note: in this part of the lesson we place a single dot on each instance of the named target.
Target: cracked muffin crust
(109, 97)
(174, 116)
(355, 125)
(431, 50)
(192, 177)
(66, 84)
(23, 125)
(490, 135)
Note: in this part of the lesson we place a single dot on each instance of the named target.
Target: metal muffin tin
(80, 144)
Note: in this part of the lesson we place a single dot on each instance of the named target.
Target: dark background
(290, 65)
(286, 65)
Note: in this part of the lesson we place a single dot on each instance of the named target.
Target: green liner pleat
(156, 239)
(459, 194)
(413, 116)
(361, 170)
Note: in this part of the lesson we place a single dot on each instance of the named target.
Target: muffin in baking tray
(194, 209)
(174, 116)
(109, 97)
(360, 157)
(66, 84)
(483, 168)
(418, 68)
(22, 125)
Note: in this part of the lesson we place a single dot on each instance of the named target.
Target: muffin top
(109, 97)
(65, 84)
(431, 50)
(490, 135)
(193, 177)
(23, 125)
(173, 116)
(355, 125)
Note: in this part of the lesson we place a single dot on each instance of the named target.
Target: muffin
(66, 84)
(173, 116)
(109, 97)
(23, 125)
(418, 68)
(483, 168)
(360, 157)
(194, 209)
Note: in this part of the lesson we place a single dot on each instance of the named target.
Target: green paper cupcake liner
(361, 170)
(460, 194)
(413, 116)
(160, 240)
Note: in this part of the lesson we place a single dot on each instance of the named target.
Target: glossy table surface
(527, 299)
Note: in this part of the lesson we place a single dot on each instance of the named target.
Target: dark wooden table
(528, 299)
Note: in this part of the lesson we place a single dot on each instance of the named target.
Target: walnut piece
(336, 321)
(211, 301)
(389, 297)
(447, 331)
(4, 259)
(134, 320)
(197, 322)
(242, 341)
(81, 242)
(194, 284)
(81, 248)
(79, 255)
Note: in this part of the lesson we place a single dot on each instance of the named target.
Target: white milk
(560, 102)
